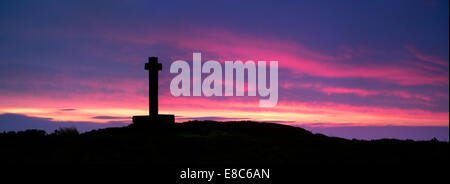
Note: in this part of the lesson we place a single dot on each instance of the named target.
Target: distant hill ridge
(209, 142)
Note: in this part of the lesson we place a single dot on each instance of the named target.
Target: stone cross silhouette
(156, 120)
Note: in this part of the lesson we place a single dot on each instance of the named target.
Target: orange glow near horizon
(326, 114)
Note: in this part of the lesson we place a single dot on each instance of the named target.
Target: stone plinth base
(159, 121)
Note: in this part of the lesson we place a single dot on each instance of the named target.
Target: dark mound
(209, 142)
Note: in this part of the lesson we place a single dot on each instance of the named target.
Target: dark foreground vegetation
(210, 142)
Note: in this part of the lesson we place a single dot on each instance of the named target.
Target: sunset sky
(341, 63)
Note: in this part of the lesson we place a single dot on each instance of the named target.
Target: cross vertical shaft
(153, 67)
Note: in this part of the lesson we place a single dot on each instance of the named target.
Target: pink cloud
(360, 92)
(225, 45)
(357, 91)
(425, 57)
